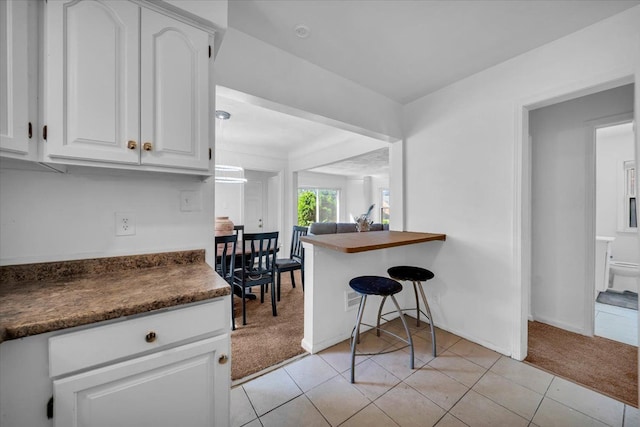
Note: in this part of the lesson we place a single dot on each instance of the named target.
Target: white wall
(377, 184)
(561, 148)
(215, 12)
(362, 192)
(462, 173)
(229, 197)
(47, 216)
(229, 201)
(612, 150)
(355, 203)
(249, 159)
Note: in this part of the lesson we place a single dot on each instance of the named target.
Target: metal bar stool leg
(379, 315)
(418, 276)
(406, 328)
(384, 287)
(355, 336)
(426, 306)
(415, 291)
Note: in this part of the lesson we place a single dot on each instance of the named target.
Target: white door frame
(522, 189)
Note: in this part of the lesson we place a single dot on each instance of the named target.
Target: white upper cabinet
(18, 83)
(92, 80)
(175, 95)
(125, 85)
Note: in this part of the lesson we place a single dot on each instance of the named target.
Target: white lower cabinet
(163, 368)
(170, 388)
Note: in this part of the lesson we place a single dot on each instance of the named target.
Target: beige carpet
(607, 366)
(266, 340)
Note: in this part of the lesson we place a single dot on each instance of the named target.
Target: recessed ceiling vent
(302, 31)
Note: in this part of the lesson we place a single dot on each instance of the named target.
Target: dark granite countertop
(45, 297)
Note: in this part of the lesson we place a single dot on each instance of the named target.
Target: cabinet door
(175, 93)
(17, 96)
(92, 80)
(186, 385)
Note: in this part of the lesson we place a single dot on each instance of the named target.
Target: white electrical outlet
(125, 224)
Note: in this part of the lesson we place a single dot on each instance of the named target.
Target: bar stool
(385, 287)
(416, 275)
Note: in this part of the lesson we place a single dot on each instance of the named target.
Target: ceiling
(374, 163)
(405, 50)
(256, 128)
(259, 130)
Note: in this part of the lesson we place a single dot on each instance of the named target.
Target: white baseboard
(561, 325)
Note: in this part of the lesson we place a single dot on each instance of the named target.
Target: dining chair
(258, 267)
(295, 260)
(238, 230)
(226, 262)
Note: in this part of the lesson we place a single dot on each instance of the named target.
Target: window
(317, 205)
(630, 214)
(384, 206)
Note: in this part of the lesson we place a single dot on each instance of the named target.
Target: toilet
(623, 276)
(603, 258)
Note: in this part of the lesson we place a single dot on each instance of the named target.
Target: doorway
(558, 226)
(617, 245)
(563, 206)
(273, 143)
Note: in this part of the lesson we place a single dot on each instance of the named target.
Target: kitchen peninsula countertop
(45, 297)
(370, 240)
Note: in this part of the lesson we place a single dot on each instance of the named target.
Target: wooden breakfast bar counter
(331, 260)
(361, 242)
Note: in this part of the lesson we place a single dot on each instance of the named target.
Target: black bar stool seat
(411, 274)
(381, 286)
(375, 285)
(416, 275)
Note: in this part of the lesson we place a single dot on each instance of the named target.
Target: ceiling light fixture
(227, 174)
(228, 168)
(302, 31)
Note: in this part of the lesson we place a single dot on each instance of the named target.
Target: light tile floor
(466, 385)
(616, 323)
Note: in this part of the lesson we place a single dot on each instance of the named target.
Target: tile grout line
(478, 380)
(400, 381)
(252, 406)
(284, 403)
(577, 410)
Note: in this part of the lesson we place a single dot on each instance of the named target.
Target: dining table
(240, 253)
